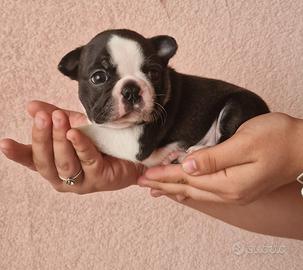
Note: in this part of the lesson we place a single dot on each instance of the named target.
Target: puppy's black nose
(130, 93)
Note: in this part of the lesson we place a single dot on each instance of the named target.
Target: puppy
(144, 111)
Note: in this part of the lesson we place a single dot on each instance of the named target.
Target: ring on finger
(72, 180)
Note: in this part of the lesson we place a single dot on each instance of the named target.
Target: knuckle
(59, 137)
(238, 196)
(40, 138)
(40, 165)
(63, 165)
(186, 191)
(89, 162)
(242, 201)
(207, 163)
(82, 149)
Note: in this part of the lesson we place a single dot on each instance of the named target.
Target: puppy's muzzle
(131, 93)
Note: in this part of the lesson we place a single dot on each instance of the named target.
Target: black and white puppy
(144, 111)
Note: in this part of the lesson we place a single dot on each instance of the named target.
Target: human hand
(264, 154)
(58, 149)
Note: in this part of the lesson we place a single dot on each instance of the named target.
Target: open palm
(58, 149)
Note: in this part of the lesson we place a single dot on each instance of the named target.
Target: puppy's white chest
(121, 143)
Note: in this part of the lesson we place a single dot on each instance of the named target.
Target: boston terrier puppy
(144, 111)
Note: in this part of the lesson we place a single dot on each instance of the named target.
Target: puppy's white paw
(174, 156)
(195, 148)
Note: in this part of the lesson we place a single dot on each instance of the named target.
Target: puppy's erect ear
(70, 62)
(165, 46)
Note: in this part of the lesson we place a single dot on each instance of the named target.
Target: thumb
(234, 151)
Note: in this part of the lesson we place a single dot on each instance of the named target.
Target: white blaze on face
(127, 56)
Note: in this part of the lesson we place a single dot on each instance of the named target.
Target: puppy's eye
(154, 74)
(99, 77)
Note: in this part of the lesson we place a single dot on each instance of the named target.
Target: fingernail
(57, 122)
(189, 166)
(39, 122)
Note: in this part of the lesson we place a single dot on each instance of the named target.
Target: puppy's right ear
(70, 62)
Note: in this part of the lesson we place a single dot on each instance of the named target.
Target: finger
(234, 151)
(233, 184)
(226, 182)
(75, 118)
(180, 198)
(91, 160)
(184, 190)
(168, 173)
(66, 159)
(18, 152)
(157, 192)
(42, 147)
(215, 183)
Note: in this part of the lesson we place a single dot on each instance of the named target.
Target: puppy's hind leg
(240, 107)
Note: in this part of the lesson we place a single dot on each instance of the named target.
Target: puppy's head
(123, 77)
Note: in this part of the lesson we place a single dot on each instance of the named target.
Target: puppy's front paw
(174, 157)
(195, 148)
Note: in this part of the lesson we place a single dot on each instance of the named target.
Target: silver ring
(72, 180)
(300, 180)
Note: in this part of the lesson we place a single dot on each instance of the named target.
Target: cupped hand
(265, 153)
(57, 149)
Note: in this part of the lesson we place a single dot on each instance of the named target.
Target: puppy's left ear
(70, 62)
(165, 46)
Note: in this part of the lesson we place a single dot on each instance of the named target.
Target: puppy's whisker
(103, 113)
(156, 116)
(161, 107)
(161, 113)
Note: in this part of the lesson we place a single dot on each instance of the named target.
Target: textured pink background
(256, 44)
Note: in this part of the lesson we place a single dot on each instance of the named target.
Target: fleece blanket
(255, 44)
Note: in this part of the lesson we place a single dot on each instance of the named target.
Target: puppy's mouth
(132, 102)
(123, 115)
(131, 114)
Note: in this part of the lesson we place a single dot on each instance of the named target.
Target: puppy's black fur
(194, 102)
